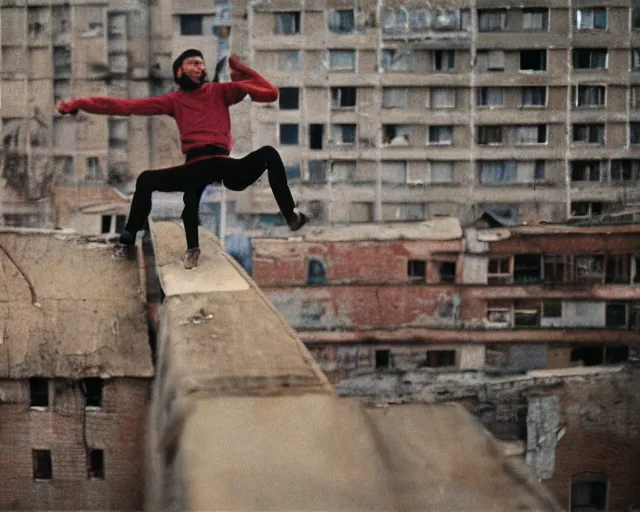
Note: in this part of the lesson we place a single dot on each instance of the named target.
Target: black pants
(192, 178)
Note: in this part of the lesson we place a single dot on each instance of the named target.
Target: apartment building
(396, 111)
(535, 329)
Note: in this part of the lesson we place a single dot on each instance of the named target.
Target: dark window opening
(342, 21)
(552, 309)
(95, 464)
(439, 358)
(526, 268)
(587, 355)
(589, 269)
(616, 354)
(289, 98)
(92, 388)
(289, 134)
(106, 224)
(525, 315)
(417, 270)
(343, 97)
(316, 272)
(617, 268)
(288, 23)
(588, 496)
(533, 60)
(42, 467)
(191, 25)
(292, 172)
(38, 392)
(383, 359)
(447, 271)
(616, 316)
(120, 222)
(317, 172)
(316, 136)
(555, 267)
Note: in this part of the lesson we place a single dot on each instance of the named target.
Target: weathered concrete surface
(242, 418)
(68, 309)
(315, 453)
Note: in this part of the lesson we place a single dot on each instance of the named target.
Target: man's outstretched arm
(248, 81)
(117, 106)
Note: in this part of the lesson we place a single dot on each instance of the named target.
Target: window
(490, 60)
(590, 58)
(498, 271)
(499, 316)
(590, 19)
(528, 134)
(535, 20)
(317, 211)
(588, 96)
(191, 25)
(105, 224)
(343, 97)
(634, 97)
(402, 212)
(343, 172)
(287, 23)
(38, 392)
(394, 21)
(95, 464)
(342, 60)
(317, 172)
(526, 314)
(533, 96)
(489, 96)
(616, 354)
(289, 60)
(442, 97)
(341, 21)
(344, 133)
(446, 19)
(635, 59)
(497, 172)
(394, 172)
(444, 60)
(92, 390)
(634, 133)
(61, 61)
(42, 468)
(616, 315)
(316, 272)
(552, 309)
(392, 60)
(441, 171)
(92, 170)
(439, 358)
(556, 268)
(293, 172)
(440, 135)
(526, 268)
(118, 133)
(289, 98)
(586, 208)
(289, 134)
(588, 356)
(396, 134)
(625, 170)
(383, 359)
(489, 134)
(585, 170)
(417, 270)
(588, 269)
(395, 97)
(316, 136)
(120, 223)
(492, 20)
(617, 269)
(533, 60)
(588, 133)
(635, 16)
(447, 271)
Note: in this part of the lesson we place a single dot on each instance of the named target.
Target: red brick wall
(569, 244)
(118, 429)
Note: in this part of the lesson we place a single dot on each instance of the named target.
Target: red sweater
(202, 115)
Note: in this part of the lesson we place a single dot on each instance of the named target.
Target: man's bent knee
(144, 180)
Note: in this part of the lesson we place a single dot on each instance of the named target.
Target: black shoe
(297, 220)
(127, 238)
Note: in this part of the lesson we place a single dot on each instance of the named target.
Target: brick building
(533, 328)
(76, 375)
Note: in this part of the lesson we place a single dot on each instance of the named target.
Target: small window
(343, 172)
(42, 467)
(95, 464)
(316, 272)
(383, 359)
(634, 134)
(289, 60)
(292, 172)
(590, 58)
(440, 358)
(589, 492)
(498, 271)
(287, 23)
(441, 135)
(552, 309)
(588, 133)
(393, 60)
(444, 60)
(38, 392)
(92, 389)
(289, 98)
(120, 223)
(191, 25)
(289, 134)
(395, 97)
(447, 271)
(106, 224)
(590, 19)
(93, 171)
(396, 134)
(527, 268)
(489, 96)
(317, 172)
(492, 20)
(616, 316)
(616, 354)
(342, 97)
(342, 60)
(533, 96)
(344, 133)
(533, 60)
(441, 171)
(341, 21)
(442, 97)
(316, 136)
(417, 270)
(535, 20)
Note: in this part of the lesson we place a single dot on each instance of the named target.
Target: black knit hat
(182, 57)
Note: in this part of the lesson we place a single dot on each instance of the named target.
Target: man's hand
(67, 107)
(238, 69)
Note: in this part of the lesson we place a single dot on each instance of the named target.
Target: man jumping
(201, 111)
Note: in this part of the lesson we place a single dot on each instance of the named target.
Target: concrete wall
(117, 428)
